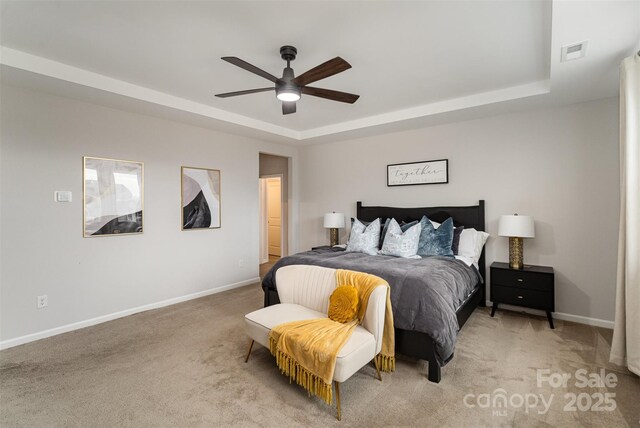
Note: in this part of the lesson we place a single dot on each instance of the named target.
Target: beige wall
(42, 250)
(559, 165)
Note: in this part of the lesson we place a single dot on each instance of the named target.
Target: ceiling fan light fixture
(288, 96)
(288, 92)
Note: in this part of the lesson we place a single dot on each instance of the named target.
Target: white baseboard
(560, 316)
(10, 343)
(584, 320)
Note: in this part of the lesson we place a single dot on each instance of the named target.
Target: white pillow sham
(399, 244)
(467, 260)
(471, 243)
(364, 239)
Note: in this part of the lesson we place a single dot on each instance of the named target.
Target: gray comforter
(425, 293)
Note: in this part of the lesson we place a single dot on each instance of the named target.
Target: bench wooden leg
(249, 353)
(337, 384)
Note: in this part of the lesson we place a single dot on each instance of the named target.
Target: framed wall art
(414, 173)
(113, 197)
(200, 198)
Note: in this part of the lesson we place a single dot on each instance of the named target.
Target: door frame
(263, 220)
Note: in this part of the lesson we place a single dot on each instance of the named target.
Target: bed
(428, 313)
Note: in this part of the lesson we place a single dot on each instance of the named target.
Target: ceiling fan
(288, 88)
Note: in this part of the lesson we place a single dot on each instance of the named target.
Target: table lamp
(516, 227)
(333, 221)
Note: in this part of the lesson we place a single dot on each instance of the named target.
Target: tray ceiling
(410, 59)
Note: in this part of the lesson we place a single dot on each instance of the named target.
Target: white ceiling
(411, 60)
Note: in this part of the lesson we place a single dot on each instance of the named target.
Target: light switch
(62, 196)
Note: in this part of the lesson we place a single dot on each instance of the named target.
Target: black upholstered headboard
(469, 217)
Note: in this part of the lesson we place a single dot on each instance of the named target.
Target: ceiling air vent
(574, 51)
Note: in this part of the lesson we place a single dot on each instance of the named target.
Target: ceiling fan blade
(249, 67)
(248, 91)
(324, 70)
(288, 107)
(343, 97)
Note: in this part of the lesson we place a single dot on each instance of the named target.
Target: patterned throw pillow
(383, 231)
(383, 228)
(343, 304)
(364, 239)
(403, 226)
(397, 243)
(436, 242)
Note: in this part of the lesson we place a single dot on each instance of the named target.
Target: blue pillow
(436, 242)
(406, 226)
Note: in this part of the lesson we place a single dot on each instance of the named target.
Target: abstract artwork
(113, 194)
(200, 198)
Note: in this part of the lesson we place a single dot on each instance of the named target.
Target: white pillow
(481, 239)
(364, 239)
(467, 260)
(399, 244)
(471, 243)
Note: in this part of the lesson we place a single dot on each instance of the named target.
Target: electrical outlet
(43, 301)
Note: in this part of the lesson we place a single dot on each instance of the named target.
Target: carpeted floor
(184, 366)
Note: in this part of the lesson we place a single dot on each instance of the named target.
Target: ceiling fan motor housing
(286, 90)
(287, 74)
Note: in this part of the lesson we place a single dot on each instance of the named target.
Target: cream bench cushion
(304, 292)
(356, 353)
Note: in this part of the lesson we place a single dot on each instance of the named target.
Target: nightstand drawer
(522, 297)
(523, 279)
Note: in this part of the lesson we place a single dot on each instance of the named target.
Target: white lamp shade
(334, 220)
(520, 226)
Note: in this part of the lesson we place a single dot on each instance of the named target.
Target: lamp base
(515, 253)
(333, 236)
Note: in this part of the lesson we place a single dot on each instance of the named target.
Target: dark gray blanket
(425, 293)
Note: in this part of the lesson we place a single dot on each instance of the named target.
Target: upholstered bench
(304, 294)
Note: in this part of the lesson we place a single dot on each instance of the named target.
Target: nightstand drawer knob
(520, 297)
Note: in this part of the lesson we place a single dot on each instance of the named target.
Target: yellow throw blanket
(306, 351)
(366, 283)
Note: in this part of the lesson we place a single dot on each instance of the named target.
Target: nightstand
(531, 287)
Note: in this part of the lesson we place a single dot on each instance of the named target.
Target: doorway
(275, 194)
(274, 216)
(271, 221)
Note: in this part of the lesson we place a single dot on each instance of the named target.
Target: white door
(274, 214)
